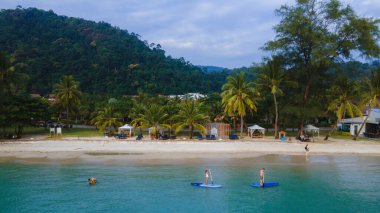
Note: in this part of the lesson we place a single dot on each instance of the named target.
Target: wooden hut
(220, 130)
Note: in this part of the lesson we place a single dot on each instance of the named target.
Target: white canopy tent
(126, 127)
(255, 127)
(311, 128)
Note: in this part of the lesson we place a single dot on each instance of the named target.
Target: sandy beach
(110, 148)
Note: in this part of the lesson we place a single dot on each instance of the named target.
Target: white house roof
(256, 127)
(358, 120)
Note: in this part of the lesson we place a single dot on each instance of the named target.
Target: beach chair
(200, 137)
(233, 137)
(213, 137)
(208, 137)
(139, 137)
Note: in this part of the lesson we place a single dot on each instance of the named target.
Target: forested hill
(103, 58)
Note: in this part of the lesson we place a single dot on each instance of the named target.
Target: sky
(223, 33)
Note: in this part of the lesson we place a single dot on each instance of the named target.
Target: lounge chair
(213, 137)
(200, 137)
(233, 137)
(139, 137)
(208, 137)
(163, 137)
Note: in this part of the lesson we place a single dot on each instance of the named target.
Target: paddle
(212, 182)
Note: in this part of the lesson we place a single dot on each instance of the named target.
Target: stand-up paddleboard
(210, 186)
(265, 184)
(206, 186)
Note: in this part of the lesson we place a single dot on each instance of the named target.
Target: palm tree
(106, 118)
(344, 91)
(152, 116)
(239, 97)
(272, 78)
(372, 88)
(171, 108)
(68, 93)
(191, 116)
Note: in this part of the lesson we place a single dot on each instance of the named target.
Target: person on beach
(207, 175)
(262, 177)
(92, 180)
(307, 149)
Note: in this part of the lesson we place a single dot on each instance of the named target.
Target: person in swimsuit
(207, 174)
(262, 177)
(307, 149)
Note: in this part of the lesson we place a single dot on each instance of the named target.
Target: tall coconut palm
(238, 97)
(171, 108)
(190, 116)
(345, 91)
(152, 116)
(68, 94)
(106, 118)
(371, 94)
(272, 78)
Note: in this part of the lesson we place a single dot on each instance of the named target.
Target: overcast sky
(223, 33)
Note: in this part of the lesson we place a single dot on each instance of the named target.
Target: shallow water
(319, 184)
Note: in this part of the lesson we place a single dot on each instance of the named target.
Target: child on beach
(262, 177)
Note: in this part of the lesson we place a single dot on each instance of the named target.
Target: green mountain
(211, 68)
(103, 58)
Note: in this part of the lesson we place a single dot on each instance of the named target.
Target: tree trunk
(364, 122)
(191, 132)
(276, 119)
(19, 130)
(234, 123)
(333, 129)
(241, 126)
(67, 115)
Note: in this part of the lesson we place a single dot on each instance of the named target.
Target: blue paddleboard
(265, 184)
(206, 186)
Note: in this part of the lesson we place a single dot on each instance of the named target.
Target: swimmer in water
(92, 180)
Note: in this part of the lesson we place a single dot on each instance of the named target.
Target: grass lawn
(30, 130)
(81, 133)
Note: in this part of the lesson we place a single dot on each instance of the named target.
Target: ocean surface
(313, 184)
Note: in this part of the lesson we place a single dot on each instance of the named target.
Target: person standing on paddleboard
(262, 177)
(207, 175)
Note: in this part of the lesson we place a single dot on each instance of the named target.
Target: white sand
(97, 148)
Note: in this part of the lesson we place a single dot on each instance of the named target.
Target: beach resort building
(371, 129)
(193, 96)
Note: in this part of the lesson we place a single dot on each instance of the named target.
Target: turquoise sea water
(319, 184)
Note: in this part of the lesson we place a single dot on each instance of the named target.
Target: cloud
(207, 32)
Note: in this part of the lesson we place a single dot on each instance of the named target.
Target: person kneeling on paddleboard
(262, 177)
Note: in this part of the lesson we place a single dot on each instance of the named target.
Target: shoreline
(100, 149)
